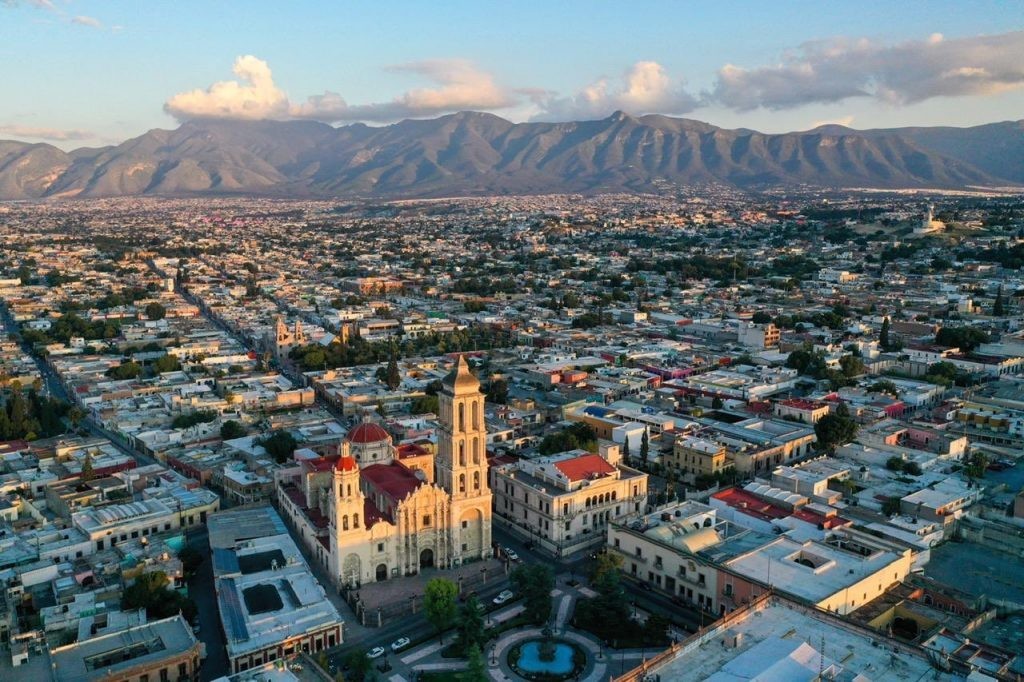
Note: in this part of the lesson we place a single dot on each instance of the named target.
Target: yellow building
(699, 457)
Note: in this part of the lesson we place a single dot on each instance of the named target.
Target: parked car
(400, 643)
(375, 652)
(503, 596)
(511, 554)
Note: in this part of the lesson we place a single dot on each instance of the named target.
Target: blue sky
(81, 72)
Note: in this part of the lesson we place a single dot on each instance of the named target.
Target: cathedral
(378, 511)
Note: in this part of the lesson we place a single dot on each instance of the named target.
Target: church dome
(367, 432)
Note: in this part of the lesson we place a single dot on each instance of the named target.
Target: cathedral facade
(380, 511)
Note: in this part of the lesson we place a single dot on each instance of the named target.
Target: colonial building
(378, 511)
(283, 339)
(564, 502)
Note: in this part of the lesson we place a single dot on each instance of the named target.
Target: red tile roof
(320, 464)
(584, 467)
(347, 464)
(744, 502)
(394, 480)
(411, 450)
(367, 432)
(371, 514)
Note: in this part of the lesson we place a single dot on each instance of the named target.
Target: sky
(93, 72)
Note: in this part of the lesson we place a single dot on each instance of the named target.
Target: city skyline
(790, 67)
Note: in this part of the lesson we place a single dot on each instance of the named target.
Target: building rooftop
(105, 656)
(265, 590)
(776, 640)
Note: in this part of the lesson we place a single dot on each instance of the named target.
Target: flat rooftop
(778, 640)
(265, 590)
(105, 655)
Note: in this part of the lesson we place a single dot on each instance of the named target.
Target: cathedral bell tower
(346, 518)
(461, 464)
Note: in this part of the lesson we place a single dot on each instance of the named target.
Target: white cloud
(645, 88)
(459, 85)
(252, 96)
(906, 73)
(91, 22)
(39, 133)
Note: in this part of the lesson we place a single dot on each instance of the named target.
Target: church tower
(347, 519)
(461, 465)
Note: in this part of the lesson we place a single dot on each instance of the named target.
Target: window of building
(465, 547)
(639, 551)
(426, 519)
(465, 524)
(380, 546)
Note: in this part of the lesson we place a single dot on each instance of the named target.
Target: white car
(400, 643)
(503, 596)
(511, 554)
(375, 652)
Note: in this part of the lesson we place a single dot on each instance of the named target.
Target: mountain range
(474, 154)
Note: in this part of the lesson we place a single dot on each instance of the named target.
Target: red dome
(346, 464)
(367, 432)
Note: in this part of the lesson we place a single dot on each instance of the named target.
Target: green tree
(470, 625)
(605, 614)
(155, 311)
(439, 603)
(150, 591)
(497, 392)
(977, 463)
(998, 308)
(604, 563)
(835, 429)
(894, 464)
(645, 446)
(231, 429)
(126, 370)
(280, 445)
(393, 378)
(477, 670)
(87, 474)
(964, 338)
(166, 363)
(534, 582)
(359, 665)
(716, 403)
(884, 386)
(883, 336)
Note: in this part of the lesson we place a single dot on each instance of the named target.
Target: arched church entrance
(382, 572)
(427, 558)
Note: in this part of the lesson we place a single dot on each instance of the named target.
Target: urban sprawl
(700, 436)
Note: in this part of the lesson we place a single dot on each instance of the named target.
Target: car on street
(511, 554)
(400, 643)
(375, 652)
(503, 596)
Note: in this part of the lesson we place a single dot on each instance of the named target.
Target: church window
(344, 522)
(476, 480)
(462, 453)
(476, 451)
(476, 415)
(465, 524)
(461, 426)
(426, 519)
(462, 483)
(355, 520)
(349, 493)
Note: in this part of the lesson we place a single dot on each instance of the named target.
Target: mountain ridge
(480, 153)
